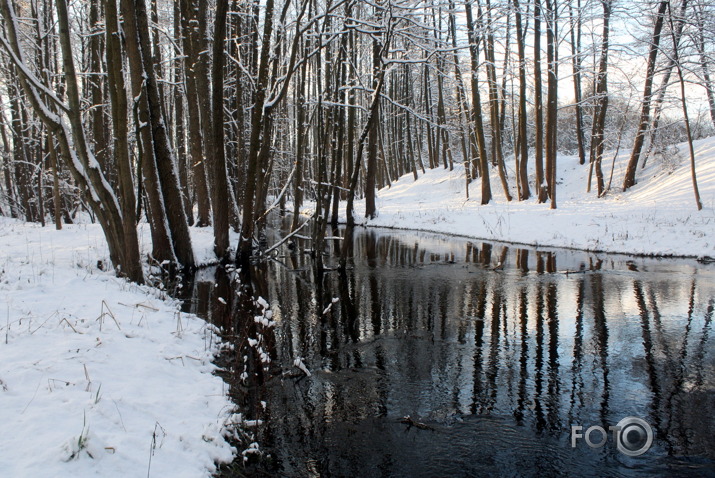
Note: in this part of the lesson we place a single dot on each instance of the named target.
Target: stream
(442, 356)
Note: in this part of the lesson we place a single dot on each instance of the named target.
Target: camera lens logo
(634, 436)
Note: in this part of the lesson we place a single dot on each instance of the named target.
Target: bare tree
(220, 182)
(522, 153)
(601, 100)
(541, 187)
(377, 77)
(675, 34)
(576, 61)
(477, 104)
(551, 97)
(193, 72)
(630, 177)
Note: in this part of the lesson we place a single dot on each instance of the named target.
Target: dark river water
(440, 356)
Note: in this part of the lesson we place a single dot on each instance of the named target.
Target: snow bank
(656, 217)
(98, 376)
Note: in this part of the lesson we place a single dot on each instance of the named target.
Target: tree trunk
(601, 97)
(431, 153)
(162, 245)
(7, 171)
(369, 124)
(164, 157)
(522, 150)
(202, 70)
(630, 177)
(341, 95)
(180, 132)
(541, 188)
(664, 83)
(100, 142)
(56, 198)
(477, 106)
(675, 34)
(221, 199)
(494, 121)
(551, 99)
(257, 120)
(576, 63)
(21, 157)
(370, 207)
(118, 100)
(300, 134)
(462, 102)
(196, 150)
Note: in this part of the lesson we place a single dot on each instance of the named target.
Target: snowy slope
(98, 376)
(658, 216)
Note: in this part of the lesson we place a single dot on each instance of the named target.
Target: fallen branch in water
(279, 243)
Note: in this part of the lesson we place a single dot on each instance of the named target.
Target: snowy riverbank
(98, 376)
(656, 217)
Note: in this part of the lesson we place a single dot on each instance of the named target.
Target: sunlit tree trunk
(494, 122)
(541, 188)
(667, 71)
(676, 60)
(522, 152)
(551, 98)
(630, 177)
(477, 106)
(576, 53)
(601, 99)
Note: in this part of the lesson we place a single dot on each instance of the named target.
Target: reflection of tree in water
(678, 398)
(448, 336)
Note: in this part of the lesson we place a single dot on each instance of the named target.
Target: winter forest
(213, 113)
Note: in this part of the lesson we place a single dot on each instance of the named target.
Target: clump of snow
(298, 362)
(657, 216)
(252, 449)
(99, 376)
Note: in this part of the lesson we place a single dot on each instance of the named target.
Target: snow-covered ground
(658, 216)
(98, 376)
